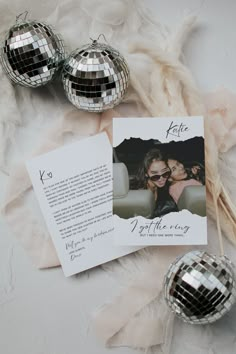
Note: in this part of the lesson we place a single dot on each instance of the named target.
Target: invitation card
(159, 181)
(73, 185)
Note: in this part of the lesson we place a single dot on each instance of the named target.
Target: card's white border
(155, 128)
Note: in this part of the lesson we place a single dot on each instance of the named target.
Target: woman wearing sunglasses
(180, 177)
(153, 175)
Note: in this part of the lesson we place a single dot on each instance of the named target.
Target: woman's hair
(199, 175)
(152, 155)
(188, 165)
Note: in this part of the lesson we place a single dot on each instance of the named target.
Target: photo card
(159, 195)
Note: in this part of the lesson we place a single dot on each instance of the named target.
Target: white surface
(210, 50)
(42, 312)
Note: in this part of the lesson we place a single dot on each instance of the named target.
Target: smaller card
(159, 195)
(73, 185)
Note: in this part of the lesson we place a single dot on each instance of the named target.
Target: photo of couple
(171, 174)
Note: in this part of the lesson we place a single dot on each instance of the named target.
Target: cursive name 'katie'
(150, 227)
(176, 129)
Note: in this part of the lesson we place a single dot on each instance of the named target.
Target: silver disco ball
(200, 288)
(95, 77)
(32, 53)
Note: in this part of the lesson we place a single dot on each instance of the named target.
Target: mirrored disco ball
(95, 77)
(199, 287)
(32, 53)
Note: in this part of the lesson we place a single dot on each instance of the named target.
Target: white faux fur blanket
(160, 86)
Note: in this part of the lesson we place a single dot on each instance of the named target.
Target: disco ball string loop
(19, 16)
(96, 40)
(95, 77)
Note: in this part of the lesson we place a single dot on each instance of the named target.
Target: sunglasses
(157, 177)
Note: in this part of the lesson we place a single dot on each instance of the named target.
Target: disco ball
(95, 77)
(199, 287)
(32, 53)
